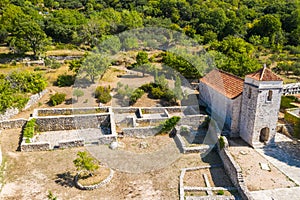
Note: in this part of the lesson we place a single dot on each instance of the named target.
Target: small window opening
(270, 94)
(249, 93)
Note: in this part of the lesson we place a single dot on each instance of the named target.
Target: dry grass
(65, 52)
(98, 176)
(111, 75)
(52, 74)
(154, 143)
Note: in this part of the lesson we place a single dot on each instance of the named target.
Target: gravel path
(131, 162)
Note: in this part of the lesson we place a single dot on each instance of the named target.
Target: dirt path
(131, 162)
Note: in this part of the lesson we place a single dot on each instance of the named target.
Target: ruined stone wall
(69, 111)
(38, 146)
(71, 122)
(33, 99)
(192, 120)
(9, 113)
(11, 124)
(140, 131)
(71, 144)
(234, 171)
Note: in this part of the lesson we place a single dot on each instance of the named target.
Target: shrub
(65, 80)
(220, 192)
(103, 94)
(221, 142)
(28, 131)
(85, 162)
(78, 93)
(169, 124)
(57, 98)
(137, 93)
(157, 93)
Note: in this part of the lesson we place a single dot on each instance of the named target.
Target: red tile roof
(227, 84)
(264, 74)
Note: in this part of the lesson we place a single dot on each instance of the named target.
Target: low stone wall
(107, 139)
(92, 187)
(192, 120)
(71, 144)
(140, 131)
(11, 124)
(151, 120)
(37, 146)
(34, 99)
(8, 114)
(184, 149)
(234, 171)
(57, 123)
(69, 111)
(122, 110)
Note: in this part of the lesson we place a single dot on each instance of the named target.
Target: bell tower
(260, 106)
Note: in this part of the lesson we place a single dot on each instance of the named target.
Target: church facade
(245, 108)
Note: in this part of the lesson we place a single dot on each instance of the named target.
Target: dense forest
(240, 35)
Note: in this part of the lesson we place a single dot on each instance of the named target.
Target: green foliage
(95, 65)
(286, 102)
(50, 196)
(52, 63)
(220, 192)
(221, 142)
(78, 93)
(177, 88)
(295, 121)
(28, 131)
(168, 124)
(57, 99)
(181, 65)
(27, 81)
(85, 162)
(103, 94)
(136, 94)
(65, 80)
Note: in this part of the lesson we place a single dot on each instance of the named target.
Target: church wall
(224, 110)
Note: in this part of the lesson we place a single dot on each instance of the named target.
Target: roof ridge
(229, 74)
(263, 71)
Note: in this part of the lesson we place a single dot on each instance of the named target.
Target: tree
(28, 36)
(78, 93)
(177, 89)
(95, 65)
(142, 62)
(85, 162)
(63, 25)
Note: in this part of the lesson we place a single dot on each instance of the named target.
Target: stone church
(246, 108)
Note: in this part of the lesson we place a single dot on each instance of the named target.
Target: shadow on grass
(65, 179)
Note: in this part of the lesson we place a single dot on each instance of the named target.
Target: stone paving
(277, 194)
(131, 162)
(278, 153)
(283, 155)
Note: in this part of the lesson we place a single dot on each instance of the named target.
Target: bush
(65, 80)
(28, 131)
(157, 93)
(137, 93)
(169, 124)
(103, 94)
(57, 98)
(221, 142)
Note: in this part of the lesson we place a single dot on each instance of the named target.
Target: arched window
(270, 94)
